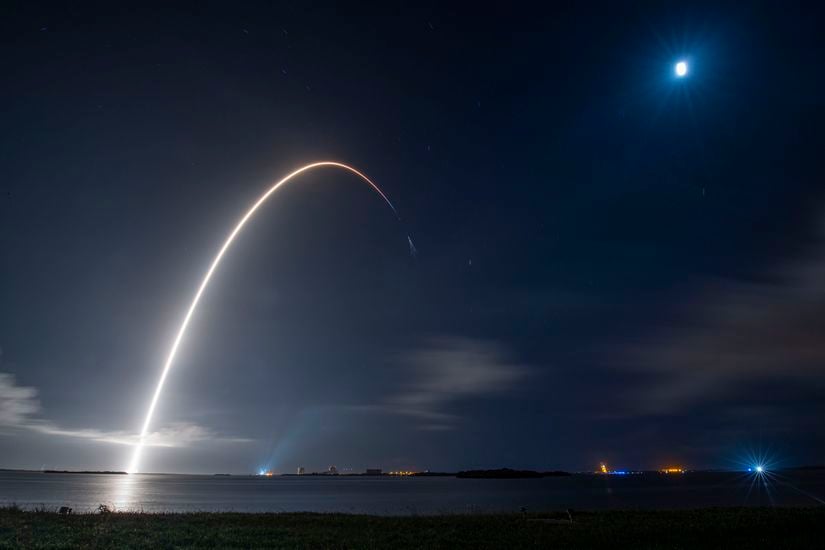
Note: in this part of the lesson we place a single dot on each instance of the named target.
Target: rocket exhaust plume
(138, 449)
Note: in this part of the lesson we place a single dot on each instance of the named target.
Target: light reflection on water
(385, 495)
(123, 495)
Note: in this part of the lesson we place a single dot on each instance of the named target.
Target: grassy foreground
(710, 528)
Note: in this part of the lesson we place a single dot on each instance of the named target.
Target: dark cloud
(735, 332)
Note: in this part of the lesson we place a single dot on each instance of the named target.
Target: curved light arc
(133, 466)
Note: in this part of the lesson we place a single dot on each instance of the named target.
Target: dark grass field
(709, 528)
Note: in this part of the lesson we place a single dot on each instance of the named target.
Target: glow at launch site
(138, 449)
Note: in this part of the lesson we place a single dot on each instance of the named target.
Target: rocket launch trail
(138, 449)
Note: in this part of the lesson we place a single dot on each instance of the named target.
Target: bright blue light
(758, 463)
(681, 69)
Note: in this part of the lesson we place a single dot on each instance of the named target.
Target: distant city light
(681, 69)
(673, 470)
(759, 469)
(603, 469)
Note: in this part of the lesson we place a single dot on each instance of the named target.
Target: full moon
(681, 69)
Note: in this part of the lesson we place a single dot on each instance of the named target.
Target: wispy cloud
(447, 370)
(735, 333)
(180, 434)
(19, 410)
(17, 403)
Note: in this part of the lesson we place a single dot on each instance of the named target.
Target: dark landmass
(507, 473)
(83, 472)
(317, 474)
(707, 528)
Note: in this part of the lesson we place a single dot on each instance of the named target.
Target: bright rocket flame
(133, 466)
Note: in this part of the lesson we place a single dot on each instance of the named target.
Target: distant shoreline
(507, 473)
(498, 473)
(106, 472)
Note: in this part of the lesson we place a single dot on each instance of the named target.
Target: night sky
(613, 264)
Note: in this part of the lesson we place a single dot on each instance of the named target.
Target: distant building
(373, 471)
(333, 471)
(301, 470)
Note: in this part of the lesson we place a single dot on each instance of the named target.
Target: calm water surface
(394, 496)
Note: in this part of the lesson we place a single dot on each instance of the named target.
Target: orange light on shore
(403, 473)
(673, 470)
